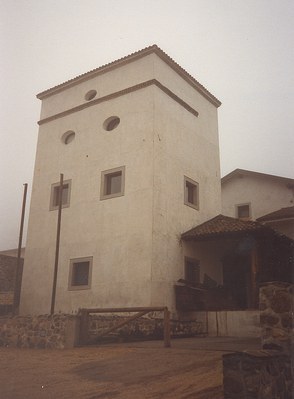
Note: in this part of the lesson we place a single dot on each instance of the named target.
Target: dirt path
(117, 371)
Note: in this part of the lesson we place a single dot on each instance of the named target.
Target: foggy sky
(239, 50)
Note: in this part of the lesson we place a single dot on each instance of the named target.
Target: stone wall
(268, 373)
(61, 331)
(257, 375)
(53, 332)
(276, 315)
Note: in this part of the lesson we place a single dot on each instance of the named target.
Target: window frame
(104, 178)
(111, 123)
(53, 207)
(196, 263)
(74, 261)
(68, 137)
(196, 185)
(237, 206)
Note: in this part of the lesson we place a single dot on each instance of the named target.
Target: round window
(111, 123)
(90, 95)
(68, 137)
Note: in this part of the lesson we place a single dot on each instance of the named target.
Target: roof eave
(127, 59)
(245, 172)
(278, 219)
(220, 235)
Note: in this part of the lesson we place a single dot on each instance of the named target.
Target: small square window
(112, 183)
(192, 270)
(191, 193)
(243, 211)
(55, 193)
(80, 272)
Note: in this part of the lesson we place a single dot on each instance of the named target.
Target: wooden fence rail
(84, 321)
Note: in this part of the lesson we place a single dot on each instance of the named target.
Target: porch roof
(281, 214)
(224, 226)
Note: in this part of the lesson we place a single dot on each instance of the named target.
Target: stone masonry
(267, 373)
(53, 332)
(61, 331)
(257, 375)
(276, 315)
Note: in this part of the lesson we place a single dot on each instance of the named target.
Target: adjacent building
(281, 220)
(11, 269)
(250, 195)
(250, 243)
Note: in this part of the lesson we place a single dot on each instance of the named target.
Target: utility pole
(16, 293)
(57, 245)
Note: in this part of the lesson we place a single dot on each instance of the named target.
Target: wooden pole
(16, 293)
(57, 245)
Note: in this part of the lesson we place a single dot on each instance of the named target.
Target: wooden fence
(84, 323)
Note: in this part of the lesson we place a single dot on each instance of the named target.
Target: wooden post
(17, 273)
(57, 245)
(166, 328)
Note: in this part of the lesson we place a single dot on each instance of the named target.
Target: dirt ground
(191, 368)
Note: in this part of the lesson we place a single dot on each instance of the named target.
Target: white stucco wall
(106, 83)
(209, 254)
(116, 232)
(183, 146)
(265, 194)
(243, 323)
(133, 239)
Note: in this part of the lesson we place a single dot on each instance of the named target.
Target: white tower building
(137, 142)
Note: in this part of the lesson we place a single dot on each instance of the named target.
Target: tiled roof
(283, 213)
(222, 226)
(13, 252)
(129, 58)
(244, 172)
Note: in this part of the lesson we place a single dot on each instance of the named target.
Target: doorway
(237, 279)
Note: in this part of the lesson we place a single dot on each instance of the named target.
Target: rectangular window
(191, 193)
(243, 211)
(112, 183)
(80, 272)
(192, 270)
(55, 195)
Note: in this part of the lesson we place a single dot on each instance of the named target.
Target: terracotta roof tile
(283, 213)
(222, 225)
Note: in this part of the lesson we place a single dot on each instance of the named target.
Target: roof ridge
(140, 53)
(43, 93)
(237, 171)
